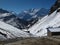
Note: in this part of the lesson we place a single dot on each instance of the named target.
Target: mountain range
(50, 20)
(29, 23)
(39, 28)
(24, 19)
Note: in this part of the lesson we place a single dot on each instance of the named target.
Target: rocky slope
(55, 6)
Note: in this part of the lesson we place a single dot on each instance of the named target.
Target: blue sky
(20, 5)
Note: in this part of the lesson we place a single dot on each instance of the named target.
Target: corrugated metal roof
(54, 29)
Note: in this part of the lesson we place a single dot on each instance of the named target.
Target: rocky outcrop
(55, 6)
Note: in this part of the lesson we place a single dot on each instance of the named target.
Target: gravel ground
(34, 41)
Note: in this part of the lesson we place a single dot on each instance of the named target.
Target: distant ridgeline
(55, 6)
(3, 11)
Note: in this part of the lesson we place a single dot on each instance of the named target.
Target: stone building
(53, 32)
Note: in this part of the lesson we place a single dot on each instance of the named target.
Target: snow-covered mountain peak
(33, 13)
(31, 10)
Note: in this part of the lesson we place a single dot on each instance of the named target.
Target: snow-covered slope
(11, 18)
(52, 20)
(38, 29)
(33, 15)
(8, 31)
(30, 17)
